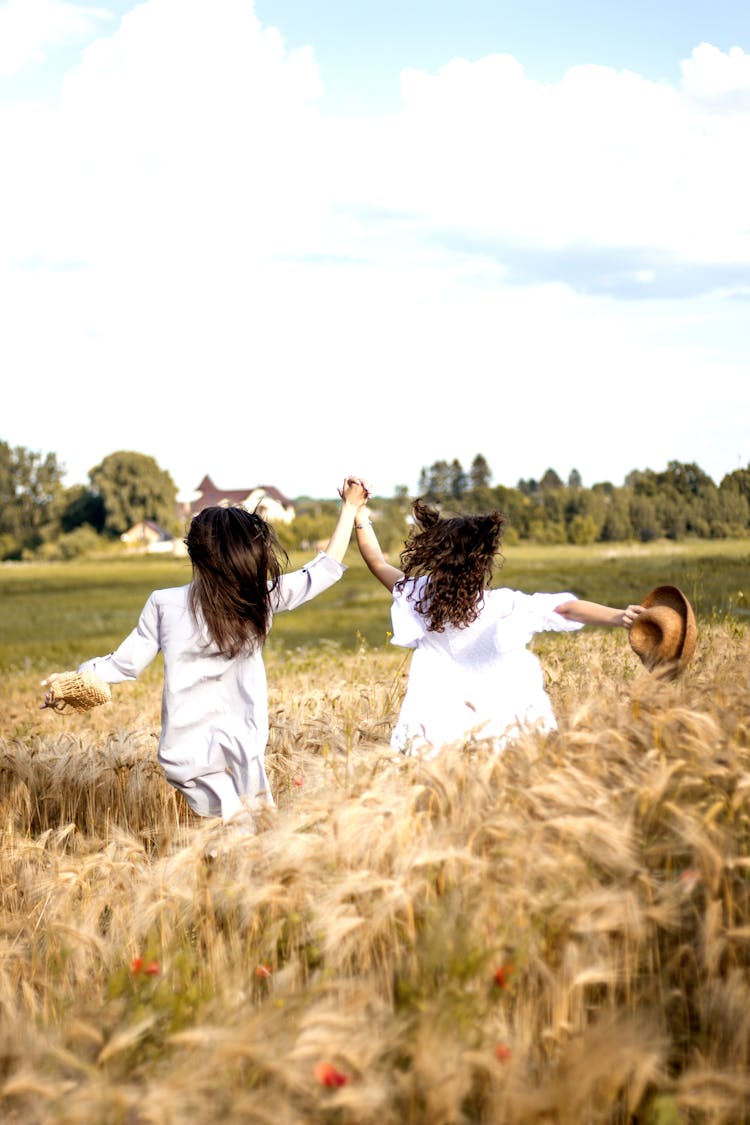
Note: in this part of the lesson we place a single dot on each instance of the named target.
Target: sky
(283, 241)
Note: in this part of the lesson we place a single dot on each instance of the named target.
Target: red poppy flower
(262, 970)
(136, 965)
(502, 974)
(502, 1052)
(298, 780)
(327, 1075)
(152, 969)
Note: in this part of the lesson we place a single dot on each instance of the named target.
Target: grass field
(64, 612)
(556, 936)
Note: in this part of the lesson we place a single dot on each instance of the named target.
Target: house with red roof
(264, 499)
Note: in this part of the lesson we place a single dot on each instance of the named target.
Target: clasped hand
(354, 490)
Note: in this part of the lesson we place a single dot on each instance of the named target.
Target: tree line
(40, 518)
(677, 502)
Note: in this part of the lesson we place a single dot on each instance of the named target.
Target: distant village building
(264, 499)
(148, 536)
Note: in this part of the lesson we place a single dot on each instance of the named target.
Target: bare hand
(630, 613)
(48, 697)
(354, 491)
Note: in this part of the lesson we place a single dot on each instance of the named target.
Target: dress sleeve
(541, 608)
(408, 624)
(134, 654)
(299, 586)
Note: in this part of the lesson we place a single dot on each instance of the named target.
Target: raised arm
(370, 550)
(353, 493)
(591, 613)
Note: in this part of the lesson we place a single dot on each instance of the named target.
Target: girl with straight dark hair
(211, 634)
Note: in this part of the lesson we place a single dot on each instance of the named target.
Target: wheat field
(559, 935)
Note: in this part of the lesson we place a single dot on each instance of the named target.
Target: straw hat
(78, 691)
(664, 634)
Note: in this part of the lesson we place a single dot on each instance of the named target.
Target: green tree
(553, 503)
(616, 525)
(726, 513)
(734, 495)
(544, 530)
(583, 529)
(643, 518)
(517, 507)
(642, 482)
(459, 481)
(80, 506)
(480, 474)
(737, 481)
(550, 481)
(585, 514)
(30, 483)
(678, 495)
(83, 541)
(672, 513)
(437, 483)
(687, 479)
(392, 519)
(479, 496)
(133, 487)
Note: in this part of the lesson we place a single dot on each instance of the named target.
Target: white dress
(478, 682)
(214, 709)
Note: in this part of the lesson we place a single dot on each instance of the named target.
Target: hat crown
(664, 635)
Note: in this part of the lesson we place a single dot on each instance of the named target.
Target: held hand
(354, 491)
(629, 615)
(48, 697)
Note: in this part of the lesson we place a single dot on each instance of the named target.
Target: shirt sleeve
(409, 625)
(300, 586)
(134, 654)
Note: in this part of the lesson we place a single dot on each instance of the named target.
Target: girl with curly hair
(472, 675)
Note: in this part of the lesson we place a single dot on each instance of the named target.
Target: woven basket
(76, 691)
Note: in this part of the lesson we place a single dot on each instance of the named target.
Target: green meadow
(61, 613)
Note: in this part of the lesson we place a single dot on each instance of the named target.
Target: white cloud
(31, 29)
(182, 137)
(186, 229)
(192, 132)
(721, 81)
(599, 158)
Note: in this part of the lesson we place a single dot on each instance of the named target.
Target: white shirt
(480, 681)
(214, 709)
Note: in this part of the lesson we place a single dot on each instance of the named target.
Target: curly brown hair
(457, 555)
(237, 563)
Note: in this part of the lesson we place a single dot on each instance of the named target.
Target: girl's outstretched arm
(591, 613)
(370, 550)
(353, 493)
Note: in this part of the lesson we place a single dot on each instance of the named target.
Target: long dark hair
(457, 555)
(237, 563)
